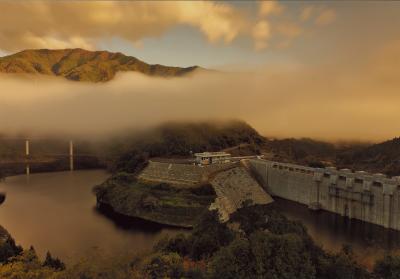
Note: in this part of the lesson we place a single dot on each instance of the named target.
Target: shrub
(388, 267)
(164, 266)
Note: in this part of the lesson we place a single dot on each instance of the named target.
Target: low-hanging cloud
(353, 103)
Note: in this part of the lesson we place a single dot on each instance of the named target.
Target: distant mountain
(83, 65)
(382, 157)
(302, 151)
(374, 158)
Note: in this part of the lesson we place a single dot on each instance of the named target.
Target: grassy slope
(82, 65)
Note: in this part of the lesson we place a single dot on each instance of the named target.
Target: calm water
(331, 231)
(57, 212)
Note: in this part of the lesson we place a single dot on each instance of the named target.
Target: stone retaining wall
(234, 187)
(179, 174)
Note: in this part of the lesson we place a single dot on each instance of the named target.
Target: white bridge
(27, 153)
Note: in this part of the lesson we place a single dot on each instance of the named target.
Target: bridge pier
(27, 157)
(71, 155)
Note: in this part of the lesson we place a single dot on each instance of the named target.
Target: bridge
(23, 151)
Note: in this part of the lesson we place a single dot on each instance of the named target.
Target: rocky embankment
(154, 201)
(177, 194)
(236, 188)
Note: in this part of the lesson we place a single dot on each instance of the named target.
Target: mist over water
(278, 101)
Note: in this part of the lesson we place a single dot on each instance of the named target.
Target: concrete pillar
(28, 171)
(315, 189)
(388, 191)
(387, 204)
(71, 155)
(27, 147)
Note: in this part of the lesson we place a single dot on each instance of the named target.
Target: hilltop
(83, 65)
(381, 157)
(182, 139)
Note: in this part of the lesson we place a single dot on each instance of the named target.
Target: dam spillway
(372, 198)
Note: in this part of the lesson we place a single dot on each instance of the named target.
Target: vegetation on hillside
(83, 65)
(382, 157)
(8, 248)
(259, 242)
(302, 151)
(182, 139)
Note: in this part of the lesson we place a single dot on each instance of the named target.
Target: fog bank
(351, 104)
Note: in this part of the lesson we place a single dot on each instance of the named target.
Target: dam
(372, 198)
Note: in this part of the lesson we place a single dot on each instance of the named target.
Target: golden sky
(328, 70)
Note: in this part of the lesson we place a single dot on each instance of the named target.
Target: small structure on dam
(208, 158)
(372, 198)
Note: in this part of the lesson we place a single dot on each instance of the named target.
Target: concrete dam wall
(372, 198)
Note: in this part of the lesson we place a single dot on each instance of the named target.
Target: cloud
(89, 24)
(38, 24)
(217, 21)
(270, 7)
(261, 34)
(327, 16)
(306, 13)
(385, 63)
(326, 102)
(289, 29)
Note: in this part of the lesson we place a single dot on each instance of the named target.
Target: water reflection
(133, 224)
(56, 212)
(332, 231)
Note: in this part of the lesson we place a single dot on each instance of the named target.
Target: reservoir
(57, 212)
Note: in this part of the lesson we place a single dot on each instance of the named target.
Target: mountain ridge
(83, 65)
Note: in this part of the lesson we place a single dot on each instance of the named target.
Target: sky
(323, 69)
(183, 33)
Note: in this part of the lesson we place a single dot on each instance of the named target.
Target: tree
(388, 267)
(55, 263)
(208, 236)
(8, 248)
(341, 265)
(25, 266)
(164, 266)
(281, 256)
(234, 261)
